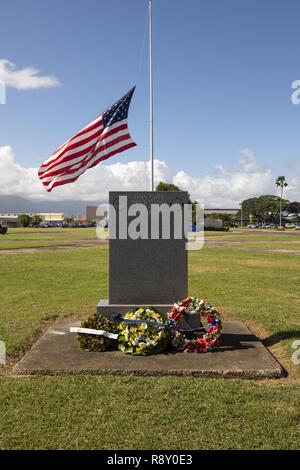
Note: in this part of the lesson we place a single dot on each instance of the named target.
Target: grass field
(35, 237)
(248, 276)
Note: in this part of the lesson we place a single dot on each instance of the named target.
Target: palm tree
(281, 183)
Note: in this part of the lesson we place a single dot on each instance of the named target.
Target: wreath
(142, 332)
(193, 306)
(145, 331)
(90, 341)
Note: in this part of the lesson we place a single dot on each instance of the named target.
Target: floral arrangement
(143, 332)
(92, 342)
(194, 306)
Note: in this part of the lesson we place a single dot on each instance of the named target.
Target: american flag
(107, 135)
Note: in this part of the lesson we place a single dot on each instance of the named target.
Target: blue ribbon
(119, 317)
(168, 324)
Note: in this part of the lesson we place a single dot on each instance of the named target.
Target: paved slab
(241, 355)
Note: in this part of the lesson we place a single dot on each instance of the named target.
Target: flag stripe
(79, 151)
(65, 175)
(59, 182)
(107, 135)
(67, 165)
(85, 164)
(73, 144)
(126, 146)
(69, 156)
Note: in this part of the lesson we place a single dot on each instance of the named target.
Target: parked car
(290, 225)
(3, 230)
(297, 227)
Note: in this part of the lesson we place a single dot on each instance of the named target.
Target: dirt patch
(223, 243)
(282, 250)
(296, 420)
(257, 263)
(207, 269)
(14, 251)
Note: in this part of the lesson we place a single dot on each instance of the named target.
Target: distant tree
(281, 183)
(227, 220)
(24, 220)
(172, 187)
(293, 207)
(263, 208)
(36, 220)
(167, 187)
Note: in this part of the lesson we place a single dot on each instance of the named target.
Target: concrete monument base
(107, 309)
(241, 355)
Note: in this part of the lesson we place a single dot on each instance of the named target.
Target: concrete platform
(241, 355)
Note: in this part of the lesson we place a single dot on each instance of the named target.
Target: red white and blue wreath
(183, 309)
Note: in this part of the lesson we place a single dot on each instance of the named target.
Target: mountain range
(17, 204)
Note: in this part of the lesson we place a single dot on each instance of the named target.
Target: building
(51, 216)
(95, 213)
(221, 211)
(12, 219)
(213, 223)
(81, 219)
(91, 213)
(211, 220)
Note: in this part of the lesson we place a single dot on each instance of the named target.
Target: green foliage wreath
(146, 335)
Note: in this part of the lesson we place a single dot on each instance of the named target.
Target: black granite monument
(147, 271)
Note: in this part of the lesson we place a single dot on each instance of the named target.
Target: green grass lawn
(147, 413)
(244, 280)
(42, 237)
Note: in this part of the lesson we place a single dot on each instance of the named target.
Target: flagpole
(151, 100)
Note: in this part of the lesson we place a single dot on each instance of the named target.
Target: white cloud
(221, 169)
(233, 186)
(249, 179)
(92, 185)
(26, 78)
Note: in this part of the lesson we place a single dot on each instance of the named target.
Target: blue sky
(222, 70)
